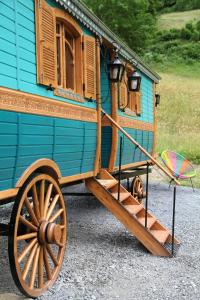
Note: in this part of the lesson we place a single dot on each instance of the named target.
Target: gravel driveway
(103, 261)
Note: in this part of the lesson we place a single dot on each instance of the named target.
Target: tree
(131, 20)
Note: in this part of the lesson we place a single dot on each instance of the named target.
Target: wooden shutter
(46, 44)
(138, 103)
(123, 95)
(89, 67)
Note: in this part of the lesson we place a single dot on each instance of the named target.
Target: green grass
(178, 116)
(178, 19)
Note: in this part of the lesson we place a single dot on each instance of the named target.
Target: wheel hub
(50, 233)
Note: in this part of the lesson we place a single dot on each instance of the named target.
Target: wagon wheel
(137, 189)
(37, 235)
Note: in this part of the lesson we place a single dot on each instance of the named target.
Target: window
(66, 60)
(66, 51)
(130, 102)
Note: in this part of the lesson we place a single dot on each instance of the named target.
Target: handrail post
(120, 166)
(147, 195)
(173, 219)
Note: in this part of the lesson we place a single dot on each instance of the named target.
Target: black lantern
(157, 99)
(115, 69)
(134, 81)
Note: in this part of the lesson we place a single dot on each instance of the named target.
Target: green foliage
(183, 5)
(131, 20)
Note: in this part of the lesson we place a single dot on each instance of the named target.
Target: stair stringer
(126, 218)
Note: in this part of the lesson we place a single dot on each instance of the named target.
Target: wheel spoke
(27, 224)
(46, 263)
(56, 215)
(29, 262)
(27, 249)
(51, 254)
(27, 236)
(36, 202)
(40, 269)
(52, 206)
(42, 190)
(30, 211)
(47, 199)
(34, 268)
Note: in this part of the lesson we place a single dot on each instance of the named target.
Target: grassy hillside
(178, 20)
(178, 116)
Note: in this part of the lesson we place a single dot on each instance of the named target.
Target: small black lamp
(115, 69)
(157, 99)
(134, 81)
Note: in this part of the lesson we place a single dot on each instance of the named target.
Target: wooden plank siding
(26, 138)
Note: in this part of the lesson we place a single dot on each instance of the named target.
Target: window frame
(68, 23)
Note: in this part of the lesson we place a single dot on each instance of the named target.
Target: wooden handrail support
(141, 148)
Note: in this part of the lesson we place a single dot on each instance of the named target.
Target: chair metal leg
(192, 184)
(170, 183)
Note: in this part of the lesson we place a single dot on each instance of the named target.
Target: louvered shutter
(138, 103)
(132, 101)
(123, 95)
(89, 67)
(46, 44)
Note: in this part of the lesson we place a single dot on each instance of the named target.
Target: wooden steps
(131, 213)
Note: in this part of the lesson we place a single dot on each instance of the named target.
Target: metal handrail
(141, 148)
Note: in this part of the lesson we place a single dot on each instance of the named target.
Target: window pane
(69, 61)
(58, 60)
(69, 38)
(57, 28)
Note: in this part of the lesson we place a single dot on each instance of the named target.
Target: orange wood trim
(132, 165)
(130, 123)
(68, 94)
(68, 19)
(45, 163)
(113, 152)
(22, 102)
(155, 120)
(72, 178)
(98, 97)
(8, 194)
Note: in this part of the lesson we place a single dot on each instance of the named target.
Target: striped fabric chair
(179, 167)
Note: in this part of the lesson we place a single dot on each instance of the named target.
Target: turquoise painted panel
(26, 138)
(130, 153)
(105, 85)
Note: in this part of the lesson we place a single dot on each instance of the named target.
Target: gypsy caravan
(76, 104)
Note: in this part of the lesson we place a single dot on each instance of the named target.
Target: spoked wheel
(137, 189)
(37, 235)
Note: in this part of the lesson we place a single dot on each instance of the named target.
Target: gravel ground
(103, 261)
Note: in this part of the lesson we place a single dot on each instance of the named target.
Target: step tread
(133, 209)
(107, 183)
(150, 221)
(160, 235)
(123, 196)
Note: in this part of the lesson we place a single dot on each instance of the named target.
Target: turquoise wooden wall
(26, 138)
(131, 154)
(18, 49)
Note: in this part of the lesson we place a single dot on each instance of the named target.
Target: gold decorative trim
(60, 92)
(130, 123)
(23, 102)
(72, 178)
